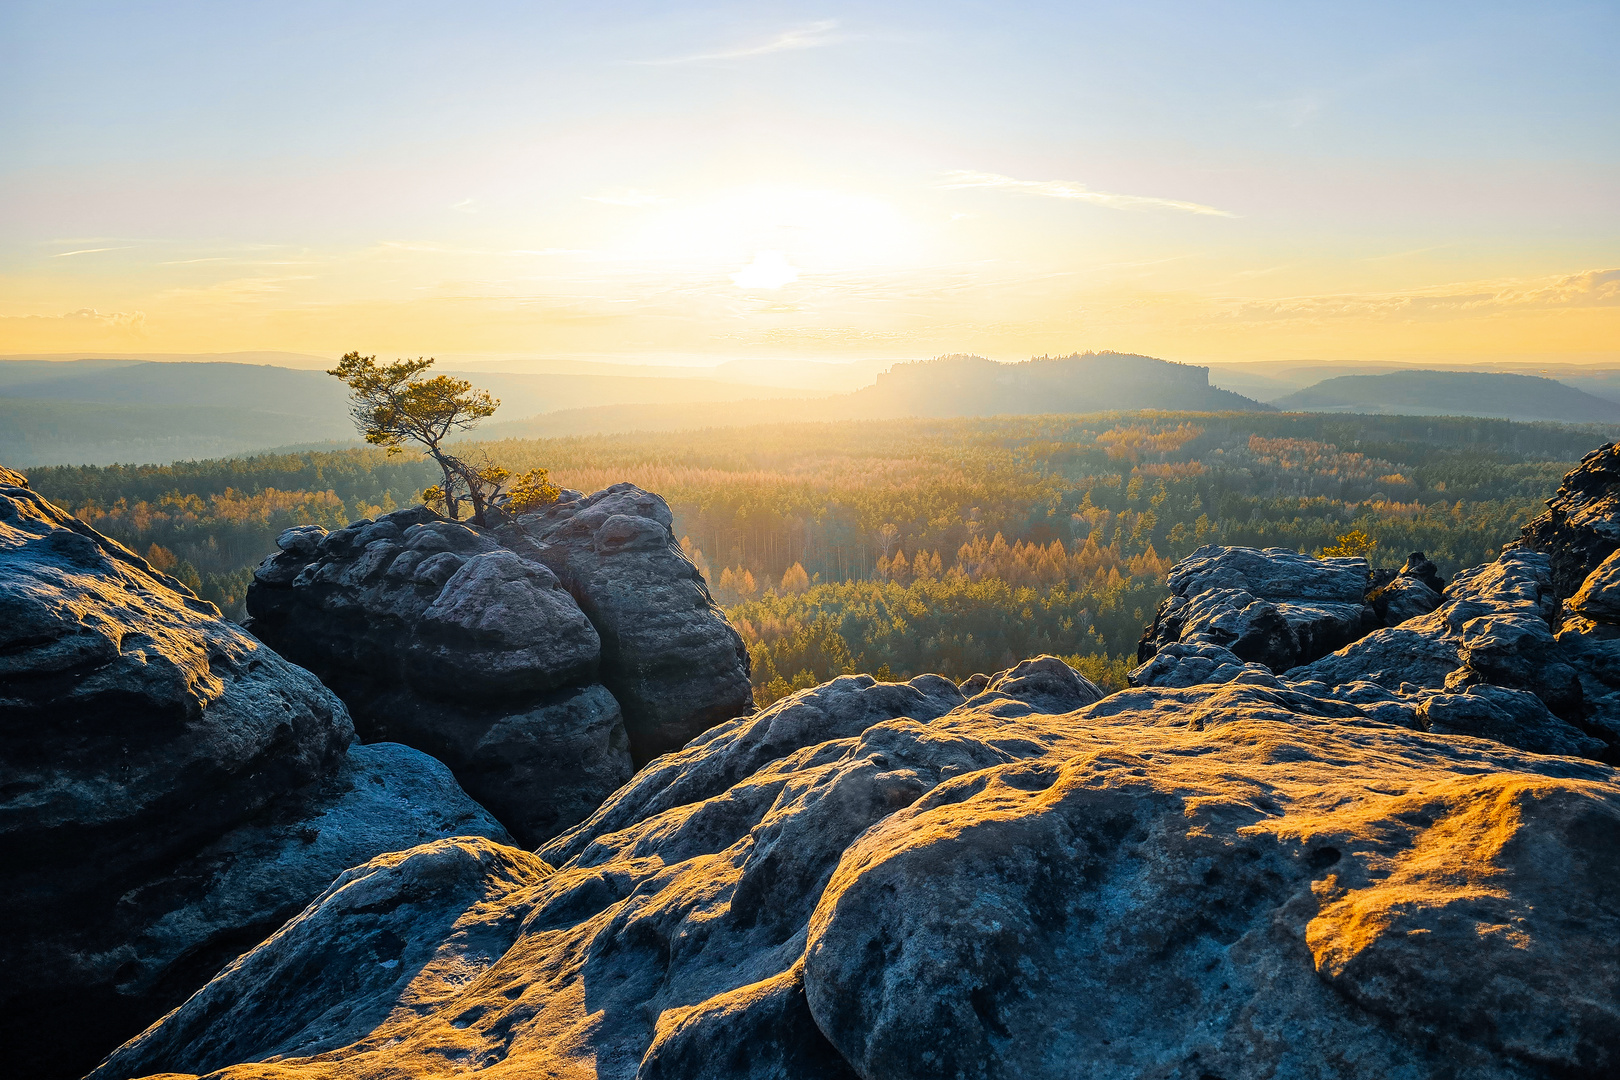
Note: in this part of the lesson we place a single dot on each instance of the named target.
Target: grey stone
(675, 664)
(1515, 717)
(170, 790)
(1581, 527)
(438, 637)
(1271, 574)
(1598, 598)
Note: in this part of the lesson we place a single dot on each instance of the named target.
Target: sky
(1207, 182)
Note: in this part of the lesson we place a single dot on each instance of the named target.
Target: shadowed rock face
(170, 790)
(519, 656)
(1581, 527)
(888, 881)
(674, 663)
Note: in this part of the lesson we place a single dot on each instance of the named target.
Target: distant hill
(1082, 383)
(946, 387)
(95, 412)
(1454, 393)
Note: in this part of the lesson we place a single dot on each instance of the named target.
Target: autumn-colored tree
(795, 580)
(1353, 543)
(393, 404)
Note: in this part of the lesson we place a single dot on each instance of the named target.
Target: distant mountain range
(100, 411)
(1454, 393)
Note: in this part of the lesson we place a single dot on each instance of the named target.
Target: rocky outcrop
(170, 790)
(1274, 607)
(517, 655)
(1406, 593)
(1581, 527)
(885, 880)
(1485, 656)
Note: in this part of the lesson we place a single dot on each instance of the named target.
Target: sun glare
(769, 270)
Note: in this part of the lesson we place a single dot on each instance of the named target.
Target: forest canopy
(919, 545)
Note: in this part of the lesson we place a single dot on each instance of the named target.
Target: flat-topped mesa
(170, 790)
(539, 659)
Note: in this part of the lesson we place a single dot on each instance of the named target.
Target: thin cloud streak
(89, 251)
(810, 36)
(1066, 189)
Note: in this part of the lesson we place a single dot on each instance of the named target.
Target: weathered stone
(1270, 574)
(1235, 879)
(1598, 598)
(670, 657)
(1274, 606)
(500, 627)
(1581, 527)
(1190, 664)
(170, 790)
(1403, 598)
(1515, 717)
(438, 637)
(404, 931)
(1516, 650)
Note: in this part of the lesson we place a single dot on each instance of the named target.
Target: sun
(769, 270)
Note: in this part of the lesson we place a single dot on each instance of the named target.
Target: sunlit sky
(1199, 181)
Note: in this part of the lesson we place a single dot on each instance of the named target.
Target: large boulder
(674, 663)
(1411, 591)
(1273, 607)
(437, 636)
(170, 790)
(885, 881)
(538, 659)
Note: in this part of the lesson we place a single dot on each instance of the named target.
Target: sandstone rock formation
(519, 655)
(1491, 655)
(1274, 606)
(674, 663)
(1581, 527)
(170, 790)
(887, 881)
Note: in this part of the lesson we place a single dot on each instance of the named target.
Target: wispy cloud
(466, 206)
(90, 251)
(627, 197)
(115, 320)
(1588, 289)
(1066, 189)
(809, 36)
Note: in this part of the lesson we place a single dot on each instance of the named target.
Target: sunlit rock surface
(888, 881)
(170, 790)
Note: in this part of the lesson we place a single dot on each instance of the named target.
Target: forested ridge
(912, 545)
